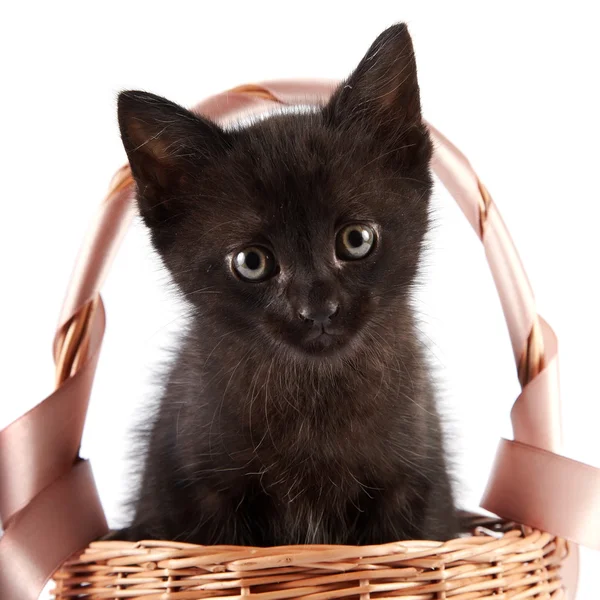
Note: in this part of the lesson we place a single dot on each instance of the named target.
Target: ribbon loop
(60, 520)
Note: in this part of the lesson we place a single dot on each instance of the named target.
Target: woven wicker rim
(520, 563)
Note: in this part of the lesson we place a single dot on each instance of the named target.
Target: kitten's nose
(319, 315)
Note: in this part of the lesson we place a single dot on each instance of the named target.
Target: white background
(514, 85)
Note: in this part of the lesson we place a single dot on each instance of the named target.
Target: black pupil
(253, 260)
(355, 238)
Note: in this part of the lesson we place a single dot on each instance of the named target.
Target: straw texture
(515, 563)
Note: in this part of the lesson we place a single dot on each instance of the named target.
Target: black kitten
(299, 408)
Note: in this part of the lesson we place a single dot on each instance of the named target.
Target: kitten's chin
(325, 344)
(328, 347)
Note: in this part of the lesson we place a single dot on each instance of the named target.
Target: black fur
(265, 434)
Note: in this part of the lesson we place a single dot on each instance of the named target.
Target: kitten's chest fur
(278, 454)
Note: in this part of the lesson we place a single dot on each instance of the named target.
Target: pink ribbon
(48, 501)
(49, 505)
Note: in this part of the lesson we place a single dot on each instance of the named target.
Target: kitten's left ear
(166, 145)
(382, 94)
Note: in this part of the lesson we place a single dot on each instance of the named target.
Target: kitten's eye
(355, 241)
(254, 264)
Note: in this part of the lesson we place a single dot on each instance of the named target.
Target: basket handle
(49, 506)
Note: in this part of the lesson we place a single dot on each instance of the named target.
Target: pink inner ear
(152, 145)
(154, 157)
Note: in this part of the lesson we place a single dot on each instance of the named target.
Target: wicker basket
(517, 563)
(51, 510)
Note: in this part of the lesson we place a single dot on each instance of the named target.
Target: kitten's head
(301, 231)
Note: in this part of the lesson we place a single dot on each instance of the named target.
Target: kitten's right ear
(166, 145)
(382, 97)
